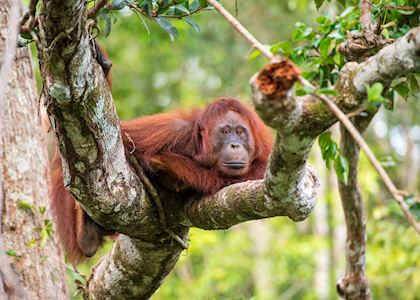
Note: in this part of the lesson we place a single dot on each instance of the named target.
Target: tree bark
(33, 267)
(354, 284)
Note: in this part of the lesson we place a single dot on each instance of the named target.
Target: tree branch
(354, 285)
(96, 7)
(247, 201)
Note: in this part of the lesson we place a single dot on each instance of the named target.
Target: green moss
(318, 109)
(93, 96)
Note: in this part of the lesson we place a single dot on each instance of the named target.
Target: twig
(403, 7)
(335, 110)
(96, 7)
(156, 199)
(389, 24)
(355, 113)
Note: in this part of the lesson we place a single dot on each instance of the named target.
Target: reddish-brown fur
(177, 144)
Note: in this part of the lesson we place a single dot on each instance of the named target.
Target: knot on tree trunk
(354, 288)
(361, 45)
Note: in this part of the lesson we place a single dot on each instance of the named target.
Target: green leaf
(342, 168)
(331, 153)
(324, 140)
(385, 33)
(402, 89)
(44, 236)
(307, 31)
(48, 225)
(203, 3)
(193, 24)
(254, 54)
(318, 3)
(321, 75)
(31, 243)
(309, 75)
(338, 59)
(304, 90)
(195, 5)
(413, 83)
(167, 26)
(297, 34)
(170, 11)
(281, 47)
(347, 11)
(406, 12)
(327, 91)
(143, 21)
(26, 36)
(413, 205)
(342, 2)
(25, 205)
(374, 93)
(321, 19)
(11, 253)
(329, 148)
(182, 8)
(324, 47)
(389, 104)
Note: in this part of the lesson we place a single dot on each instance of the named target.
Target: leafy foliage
(159, 11)
(315, 49)
(331, 152)
(414, 205)
(11, 253)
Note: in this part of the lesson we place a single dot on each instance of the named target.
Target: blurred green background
(276, 258)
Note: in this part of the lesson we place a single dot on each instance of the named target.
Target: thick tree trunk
(30, 261)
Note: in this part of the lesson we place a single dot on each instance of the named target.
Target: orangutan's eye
(241, 131)
(225, 131)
